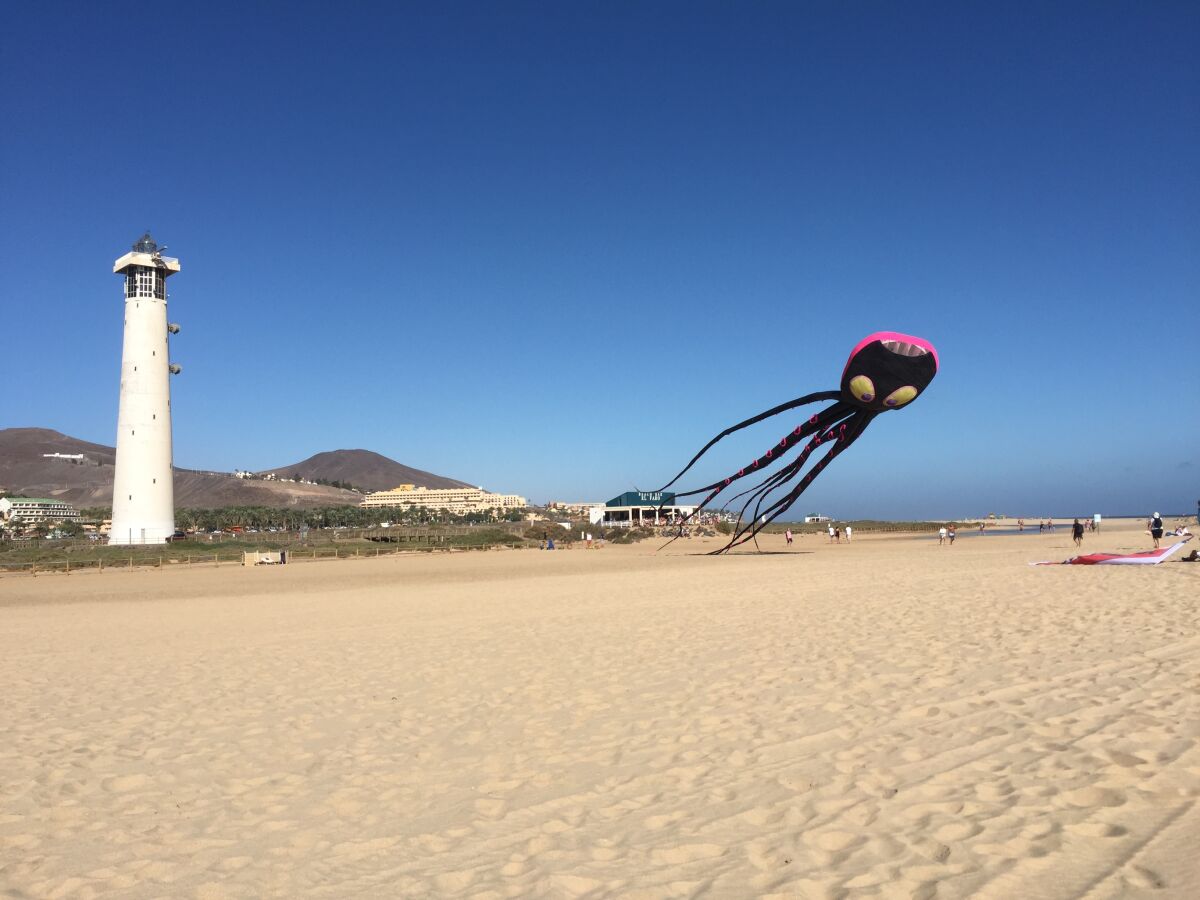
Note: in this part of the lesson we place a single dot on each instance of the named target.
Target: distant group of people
(948, 533)
(1077, 527)
(835, 534)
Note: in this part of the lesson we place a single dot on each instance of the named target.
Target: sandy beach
(887, 718)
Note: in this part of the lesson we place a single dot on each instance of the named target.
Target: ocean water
(1059, 528)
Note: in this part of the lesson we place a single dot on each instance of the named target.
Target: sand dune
(888, 718)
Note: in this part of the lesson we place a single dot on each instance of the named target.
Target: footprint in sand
(834, 841)
(656, 823)
(934, 851)
(119, 784)
(686, 853)
(796, 782)
(993, 791)
(1094, 796)
(957, 831)
(492, 808)
(571, 885)
(761, 816)
(1144, 878)
(449, 882)
(1126, 760)
(1098, 829)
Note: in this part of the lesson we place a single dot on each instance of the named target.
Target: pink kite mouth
(900, 344)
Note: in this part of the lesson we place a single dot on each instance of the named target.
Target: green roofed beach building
(634, 509)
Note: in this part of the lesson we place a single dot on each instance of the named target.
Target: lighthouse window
(142, 282)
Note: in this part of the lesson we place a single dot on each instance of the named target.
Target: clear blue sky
(552, 248)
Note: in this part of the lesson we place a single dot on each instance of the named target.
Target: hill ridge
(365, 469)
(88, 481)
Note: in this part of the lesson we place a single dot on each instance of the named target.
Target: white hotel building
(32, 510)
(456, 501)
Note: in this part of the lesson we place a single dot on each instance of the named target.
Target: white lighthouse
(143, 489)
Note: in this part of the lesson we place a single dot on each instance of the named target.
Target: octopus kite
(885, 371)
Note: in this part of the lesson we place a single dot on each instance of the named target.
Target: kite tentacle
(790, 469)
(783, 407)
(844, 440)
(764, 490)
(834, 432)
(817, 423)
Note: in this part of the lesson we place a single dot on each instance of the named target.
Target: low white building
(32, 510)
(634, 509)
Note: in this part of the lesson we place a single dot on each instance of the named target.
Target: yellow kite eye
(900, 396)
(862, 388)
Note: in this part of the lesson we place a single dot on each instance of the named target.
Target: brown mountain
(88, 481)
(24, 469)
(364, 469)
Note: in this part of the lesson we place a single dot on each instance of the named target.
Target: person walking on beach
(1020, 524)
(1077, 533)
(1156, 528)
(849, 533)
(941, 535)
(831, 532)
(837, 535)
(951, 532)
(787, 535)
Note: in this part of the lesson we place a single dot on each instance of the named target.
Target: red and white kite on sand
(1145, 558)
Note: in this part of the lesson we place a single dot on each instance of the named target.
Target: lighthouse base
(124, 533)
